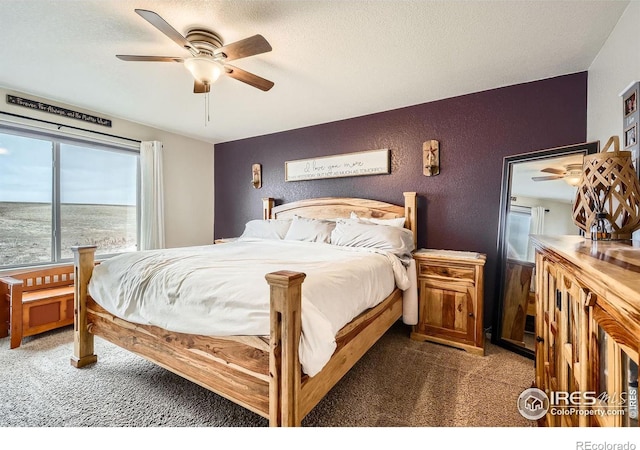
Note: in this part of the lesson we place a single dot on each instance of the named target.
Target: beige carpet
(399, 383)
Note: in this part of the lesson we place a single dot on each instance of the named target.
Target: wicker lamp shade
(609, 184)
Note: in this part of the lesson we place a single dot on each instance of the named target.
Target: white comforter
(220, 290)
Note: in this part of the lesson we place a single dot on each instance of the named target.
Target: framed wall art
(371, 162)
(631, 102)
(630, 120)
(631, 136)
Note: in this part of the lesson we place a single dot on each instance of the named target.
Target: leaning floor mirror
(538, 190)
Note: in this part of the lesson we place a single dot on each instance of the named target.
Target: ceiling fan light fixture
(573, 174)
(209, 56)
(203, 69)
(572, 180)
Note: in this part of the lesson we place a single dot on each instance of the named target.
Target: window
(518, 223)
(56, 192)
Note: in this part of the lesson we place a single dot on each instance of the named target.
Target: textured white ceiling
(331, 59)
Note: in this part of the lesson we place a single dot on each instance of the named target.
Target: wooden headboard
(335, 207)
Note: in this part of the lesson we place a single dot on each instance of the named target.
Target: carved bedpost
(410, 208)
(284, 362)
(267, 206)
(83, 263)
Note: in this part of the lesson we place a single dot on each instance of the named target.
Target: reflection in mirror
(537, 198)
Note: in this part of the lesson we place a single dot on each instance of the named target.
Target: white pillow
(266, 229)
(397, 222)
(310, 230)
(352, 233)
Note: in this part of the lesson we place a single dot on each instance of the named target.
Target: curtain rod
(529, 207)
(60, 125)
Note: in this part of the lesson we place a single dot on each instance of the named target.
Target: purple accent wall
(457, 209)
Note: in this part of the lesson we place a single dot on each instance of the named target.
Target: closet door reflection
(538, 190)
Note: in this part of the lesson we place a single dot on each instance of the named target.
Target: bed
(262, 373)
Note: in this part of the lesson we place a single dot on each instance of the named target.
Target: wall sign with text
(372, 162)
(51, 109)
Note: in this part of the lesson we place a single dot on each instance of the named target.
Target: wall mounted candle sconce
(256, 176)
(431, 158)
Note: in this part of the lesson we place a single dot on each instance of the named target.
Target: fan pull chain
(207, 119)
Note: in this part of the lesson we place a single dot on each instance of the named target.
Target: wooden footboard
(235, 368)
(260, 374)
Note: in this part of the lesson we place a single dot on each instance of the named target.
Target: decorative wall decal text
(44, 107)
(372, 162)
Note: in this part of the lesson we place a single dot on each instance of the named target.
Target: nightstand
(450, 300)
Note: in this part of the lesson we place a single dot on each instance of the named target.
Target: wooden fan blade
(162, 25)
(149, 58)
(200, 88)
(249, 78)
(554, 171)
(550, 177)
(253, 45)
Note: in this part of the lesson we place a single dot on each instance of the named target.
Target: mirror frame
(586, 148)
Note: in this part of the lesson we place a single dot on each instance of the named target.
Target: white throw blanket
(220, 290)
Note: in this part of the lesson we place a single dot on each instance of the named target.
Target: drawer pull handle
(539, 339)
(470, 314)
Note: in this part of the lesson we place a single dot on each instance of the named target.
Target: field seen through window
(25, 235)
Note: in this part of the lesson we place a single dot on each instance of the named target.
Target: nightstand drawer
(446, 271)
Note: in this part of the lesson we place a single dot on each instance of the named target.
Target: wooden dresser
(588, 330)
(450, 300)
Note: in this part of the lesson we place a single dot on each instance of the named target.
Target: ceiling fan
(571, 174)
(208, 56)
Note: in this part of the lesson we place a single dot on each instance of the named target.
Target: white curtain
(536, 227)
(152, 196)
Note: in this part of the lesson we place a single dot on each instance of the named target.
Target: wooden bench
(36, 301)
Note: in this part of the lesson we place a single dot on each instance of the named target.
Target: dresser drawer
(450, 271)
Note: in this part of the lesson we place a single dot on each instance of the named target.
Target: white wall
(558, 221)
(187, 165)
(616, 67)
(611, 72)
